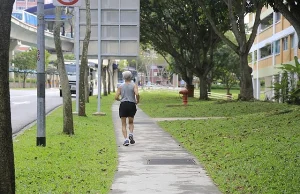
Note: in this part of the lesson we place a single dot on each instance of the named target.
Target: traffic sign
(73, 3)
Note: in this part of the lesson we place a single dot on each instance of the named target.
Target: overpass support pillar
(13, 45)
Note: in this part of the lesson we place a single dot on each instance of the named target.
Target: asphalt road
(24, 106)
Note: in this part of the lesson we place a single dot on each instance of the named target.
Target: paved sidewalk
(156, 163)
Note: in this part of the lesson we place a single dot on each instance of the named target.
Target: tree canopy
(236, 11)
(27, 60)
(179, 28)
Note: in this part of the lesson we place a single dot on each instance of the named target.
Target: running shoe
(131, 139)
(126, 143)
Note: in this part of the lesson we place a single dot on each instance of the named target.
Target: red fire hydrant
(184, 93)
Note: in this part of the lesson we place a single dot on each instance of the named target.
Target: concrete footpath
(156, 163)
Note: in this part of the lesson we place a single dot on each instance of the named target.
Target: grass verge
(254, 150)
(82, 163)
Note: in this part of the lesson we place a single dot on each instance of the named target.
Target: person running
(129, 98)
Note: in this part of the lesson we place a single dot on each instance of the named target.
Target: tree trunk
(82, 88)
(203, 88)
(246, 91)
(87, 85)
(7, 169)
(68, 126)
(19, 77)
(104, 82)
(190, 89)
(109, 79)
(209, 87)
(24, 80)
(228, 90)
(113, 80)
(188, 78)
(84, 60)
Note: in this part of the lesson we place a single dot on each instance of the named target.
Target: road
(24, 106)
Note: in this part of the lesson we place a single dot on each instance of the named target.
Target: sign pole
(77, 53)
(41, 131)
(67, 2)
(99, 62)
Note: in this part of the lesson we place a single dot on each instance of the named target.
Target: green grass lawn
(154, 103)
(82, 163)
(234, 93)
(254, 150)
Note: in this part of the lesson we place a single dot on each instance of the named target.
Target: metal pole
(99, 56)
(41, 132)
(77, 53)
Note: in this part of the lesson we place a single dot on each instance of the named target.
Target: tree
(290, 9)
(109, 77)
(185, 34)
(104, 70)
(114, 68)
(26, 62)
(236, 11)
(68, 125)
(7, 169)
(226, 66)
(83, 78)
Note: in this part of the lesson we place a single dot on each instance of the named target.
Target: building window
(266, 22)
(277, 47)
(265, 51)
(277, 16)
(249, 57)
(292, 41)
(20, 8)
(30, 0)
(285, 42)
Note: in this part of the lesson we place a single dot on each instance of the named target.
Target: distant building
(25, 4)
(275, 44)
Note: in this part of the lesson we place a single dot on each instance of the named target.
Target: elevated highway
(27, 34)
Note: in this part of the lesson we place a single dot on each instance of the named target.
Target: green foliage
(287, 90)
(82, 163)
(226, 66)
(28, 60)
(254, 150)
(69, 57)
(123, 64)
(179, 28)
(222, 86)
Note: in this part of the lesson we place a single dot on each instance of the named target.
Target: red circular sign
(68, 2)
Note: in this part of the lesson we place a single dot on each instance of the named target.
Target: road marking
(21, 96)
(18, 103)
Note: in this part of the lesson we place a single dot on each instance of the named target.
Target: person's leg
(131, 127)
(124, 131)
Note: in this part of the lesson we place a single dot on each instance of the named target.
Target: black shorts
(127, 109)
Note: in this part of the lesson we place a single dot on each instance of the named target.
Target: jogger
(129, 98)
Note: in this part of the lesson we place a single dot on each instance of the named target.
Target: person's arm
(118, 93)
(136, 92)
